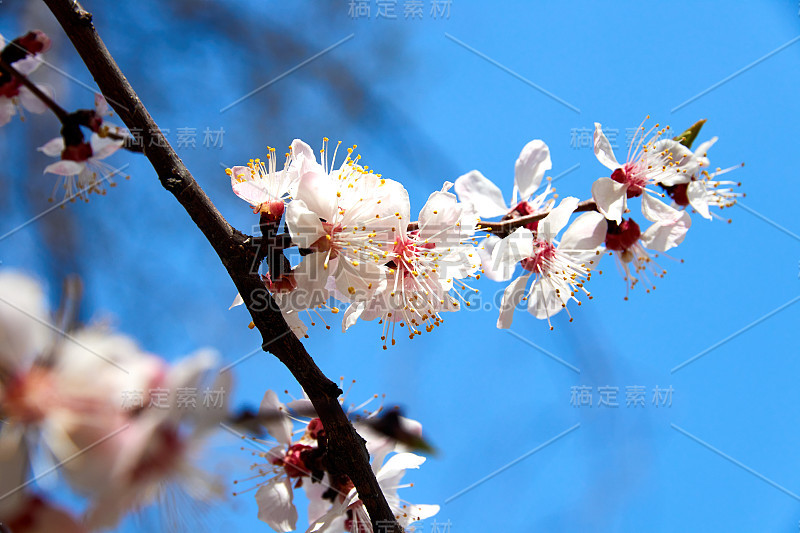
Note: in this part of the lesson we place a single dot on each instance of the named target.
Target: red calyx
(34, 42)
(679, 194)
(620, 237)
(78, 152)
(524, 208)
(293, 462)
(315, 429)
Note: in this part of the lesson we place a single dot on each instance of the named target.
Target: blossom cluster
(60, 388)
(363, 254)
(359, 243)
(298, 458)
(80, 164)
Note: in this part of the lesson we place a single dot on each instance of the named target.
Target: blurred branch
(59, 111)
(234, 249)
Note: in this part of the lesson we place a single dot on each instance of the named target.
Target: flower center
(544, 252)
(10, 89)
(326, 242)
(28, 396)
(409, 250)
(294, 460)
(633, 175)
(162, 457)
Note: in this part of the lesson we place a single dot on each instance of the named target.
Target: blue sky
(470, 90)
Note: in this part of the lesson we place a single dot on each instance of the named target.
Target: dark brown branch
(506, 227)
(234, 249)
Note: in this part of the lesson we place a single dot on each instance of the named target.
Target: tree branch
(234, 249)
(46, 100)
(506, 227)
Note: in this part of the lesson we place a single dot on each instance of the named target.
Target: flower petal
(53, 148)
(701, 152)
(304, 225)
(510, 251)
(318, 191)
(512, 296)
(485, 250)
(610, 198)
(585, 235)
(486, 198)
(603, 150)
(277, 423)
(103, 147)
(663, 236)
(65, 168)
(548, 299)
(655, 210)
(532, 163)
(696, 193)
(558, 217)
(275, 505)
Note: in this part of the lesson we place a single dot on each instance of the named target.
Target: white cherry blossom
(650, 161)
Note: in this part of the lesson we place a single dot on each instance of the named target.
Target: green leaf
(687, 137)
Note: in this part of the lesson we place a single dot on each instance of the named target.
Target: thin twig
(59, 111)
(506, 227)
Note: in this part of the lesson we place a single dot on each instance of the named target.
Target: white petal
(236, 301)
(31, 102)
(533, 162)
(360, 281)
(29, 64)
(304, 225)
(610, 198)
(253, 192)
(586, 234)
(318, 191)
(485, 250)
(243, 185)
(312, 276)
(442, 211)
(487, 199)
(103, 147)
(302, 151)
(101, 107)
(352, 314)
(53, 148)
(419, 512)
(655, 210)
(701, 152)
(545, 302)
(696, 193)
(558, 217)
(277, 423)
(603, 150)
(661, 237)
(512, 296)
(510, 251)
(7, 110)
(393, 470)
(24, 321)
(65, 168)
(275, 505)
